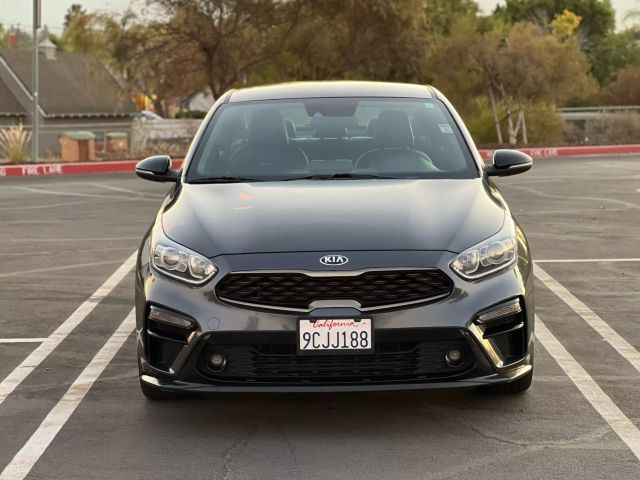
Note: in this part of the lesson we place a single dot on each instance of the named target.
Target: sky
(14, 12)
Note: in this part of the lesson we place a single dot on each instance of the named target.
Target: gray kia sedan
(333, 236)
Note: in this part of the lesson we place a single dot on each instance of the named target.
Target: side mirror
(157, 169)
(508, 162)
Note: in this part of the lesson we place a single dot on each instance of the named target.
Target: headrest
(371, 128)
(424, 123)
(266, 127)
(331, 131)
(291, 128)
(393, 130)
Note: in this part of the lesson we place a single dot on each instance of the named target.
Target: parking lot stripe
(70, 239)
(587, 260)
(22, 340)
(623, 347)
(26, 458)
(37, 207)
(76, 194)
(56, 269)
(15, 378)
(599, 400)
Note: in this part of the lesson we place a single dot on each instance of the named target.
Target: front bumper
(215, 321)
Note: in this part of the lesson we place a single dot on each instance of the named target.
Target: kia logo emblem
(334, 260)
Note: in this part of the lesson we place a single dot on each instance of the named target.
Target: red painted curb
(572, 151)
(129, 165)
(72, 168)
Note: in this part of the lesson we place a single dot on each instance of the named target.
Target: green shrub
(480, 123)
(191, 114)
(544, 126)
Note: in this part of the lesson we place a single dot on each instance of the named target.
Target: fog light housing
(217, 361)
(454, 357)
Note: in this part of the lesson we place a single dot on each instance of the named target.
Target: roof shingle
(8, 103)
(72, 84)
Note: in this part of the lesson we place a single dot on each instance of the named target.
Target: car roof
(332, 89)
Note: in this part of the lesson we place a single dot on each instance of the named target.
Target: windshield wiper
(225, 180)
(344, 176)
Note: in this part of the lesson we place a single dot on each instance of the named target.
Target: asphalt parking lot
(70, 406)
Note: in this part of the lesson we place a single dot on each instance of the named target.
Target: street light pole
(34, 120)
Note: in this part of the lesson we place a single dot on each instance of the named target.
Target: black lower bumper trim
(401, 356)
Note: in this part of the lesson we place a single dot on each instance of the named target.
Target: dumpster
(78, 146)
(117, 142)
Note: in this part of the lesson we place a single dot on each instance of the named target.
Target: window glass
(278, 140)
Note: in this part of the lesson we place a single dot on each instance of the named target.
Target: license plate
(335, 335)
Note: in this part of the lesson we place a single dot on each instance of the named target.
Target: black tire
(517, 386)
(154, 393)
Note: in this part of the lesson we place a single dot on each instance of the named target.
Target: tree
(3, 37)
(624, 89)
(442, 14)
(598, 17)
(357, 39)
(614, 52)
(565, 24)
(22, 39)
(81, 33)
(73, 11)
(517, 67)
(224, 40)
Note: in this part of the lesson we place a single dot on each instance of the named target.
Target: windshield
(327, 138)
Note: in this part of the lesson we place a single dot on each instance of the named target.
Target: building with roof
(76, 92)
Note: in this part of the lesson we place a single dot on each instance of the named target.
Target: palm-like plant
(633, 15)
(14, 143)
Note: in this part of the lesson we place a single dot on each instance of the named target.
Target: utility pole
(35, 116)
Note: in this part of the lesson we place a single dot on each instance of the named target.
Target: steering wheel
(391, 158)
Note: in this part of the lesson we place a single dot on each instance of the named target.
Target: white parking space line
(44, 191)
(623, 347)
(76, 194)
(587, 260)
(56, 269)
(75, 251)
(127, 190)
(37, 207)
(26, 458)
(70, 239)
(17, 376)
(22, 340)
(599, 400)
(568, 197)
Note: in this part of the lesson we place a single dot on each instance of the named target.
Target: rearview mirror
(157, 169)
(508, 162)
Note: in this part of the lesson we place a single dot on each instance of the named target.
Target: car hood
(332, 216)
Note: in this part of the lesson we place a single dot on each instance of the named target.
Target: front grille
(393, 360)
(371, 289)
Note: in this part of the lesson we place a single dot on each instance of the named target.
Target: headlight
(176, 261)
(490, 256)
